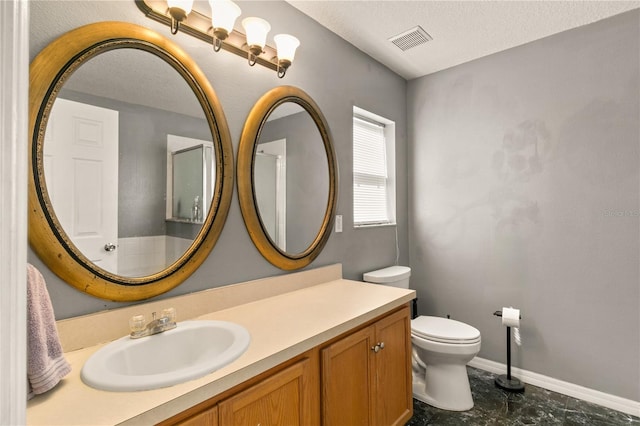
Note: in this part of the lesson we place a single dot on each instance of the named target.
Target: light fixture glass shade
(256, 29)
(184, 5)
(286, 46)
(224, 14)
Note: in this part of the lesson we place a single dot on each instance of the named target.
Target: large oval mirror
(287, 178)
(131, 161)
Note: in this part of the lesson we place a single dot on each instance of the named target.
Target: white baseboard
(576, 391)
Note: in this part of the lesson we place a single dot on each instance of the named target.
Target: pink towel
(46, 364)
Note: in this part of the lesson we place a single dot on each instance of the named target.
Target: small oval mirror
(287, 179)
(291, 178)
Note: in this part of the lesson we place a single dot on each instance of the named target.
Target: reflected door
(265, 178)
(81, 173)
(270, 180)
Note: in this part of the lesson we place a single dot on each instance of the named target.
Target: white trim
(576, 391)
(374, 225)
(14, 96)
(278, 149)
(389, 136)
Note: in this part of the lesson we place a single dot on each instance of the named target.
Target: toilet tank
(395, 276)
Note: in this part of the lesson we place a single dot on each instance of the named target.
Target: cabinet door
(348, 380)
(282, 399)
(208, 417)
(394, 405)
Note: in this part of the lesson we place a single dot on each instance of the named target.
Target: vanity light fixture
(223, 16)
(179, 10)
(257, 30)
(286, 45)
(218, 31)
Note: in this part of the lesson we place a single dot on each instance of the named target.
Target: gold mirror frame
(246, 194)
(47, 74)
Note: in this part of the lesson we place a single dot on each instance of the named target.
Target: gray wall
(307, 176)
(335, 88)
(143, 156)
(524, 191)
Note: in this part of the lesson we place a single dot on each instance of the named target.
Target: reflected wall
(307, 178)
(143, 161)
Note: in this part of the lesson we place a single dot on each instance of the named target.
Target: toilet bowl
(441, 349)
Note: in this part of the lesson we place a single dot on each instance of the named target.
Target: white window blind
(369, 173)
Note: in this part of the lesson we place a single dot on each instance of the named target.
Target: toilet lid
(386, 275)
(444, 330)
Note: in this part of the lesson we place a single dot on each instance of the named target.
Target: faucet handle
(170, 314)
(137, 323)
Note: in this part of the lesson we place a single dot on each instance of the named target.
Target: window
(373, 169)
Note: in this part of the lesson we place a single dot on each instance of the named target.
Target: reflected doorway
(270, 180)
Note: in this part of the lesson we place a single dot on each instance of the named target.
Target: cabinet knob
(381, 344)
(375, 348)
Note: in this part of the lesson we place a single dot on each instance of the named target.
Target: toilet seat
(444, 330)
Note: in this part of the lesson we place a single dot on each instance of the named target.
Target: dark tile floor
(536, 406)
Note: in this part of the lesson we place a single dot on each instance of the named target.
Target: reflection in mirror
(187, 177)
(291, 178)
(105, 165)
(287, 177)
(190, 175)
(133, 88)
(270, 182)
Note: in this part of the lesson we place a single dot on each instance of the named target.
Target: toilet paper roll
(511, 317)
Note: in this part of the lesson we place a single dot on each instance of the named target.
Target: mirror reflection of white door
(270, 183)
(81, 172)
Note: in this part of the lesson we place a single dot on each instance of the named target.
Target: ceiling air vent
(411, 38)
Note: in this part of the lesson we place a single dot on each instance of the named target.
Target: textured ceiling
(461, 30)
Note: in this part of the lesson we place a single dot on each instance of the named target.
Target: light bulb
(178, 9)
(184, 5)
(286, 46)
(257, 29)
(223, 17)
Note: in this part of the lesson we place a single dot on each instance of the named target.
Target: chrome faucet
(167, 321)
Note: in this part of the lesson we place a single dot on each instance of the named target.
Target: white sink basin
(191, 350)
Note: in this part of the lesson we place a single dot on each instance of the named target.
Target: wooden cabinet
(348, 380)
(360, 378)
(394, 400)
(366, 376)
(288, 394)
(285, 398)
(208, 417)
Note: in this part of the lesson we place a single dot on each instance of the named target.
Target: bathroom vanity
(323, 350)
(338, 383)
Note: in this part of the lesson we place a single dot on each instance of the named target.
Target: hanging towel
(46, 364)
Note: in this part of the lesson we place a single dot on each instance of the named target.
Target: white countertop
(281, 327)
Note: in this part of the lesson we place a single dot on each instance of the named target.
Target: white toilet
(441, 350)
